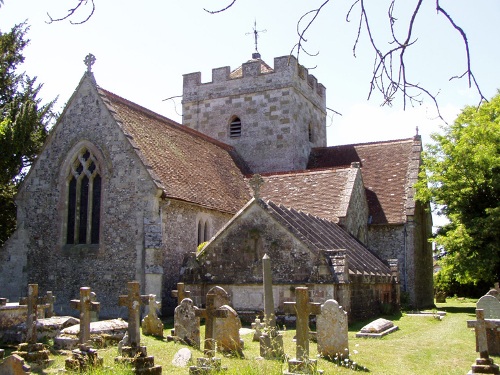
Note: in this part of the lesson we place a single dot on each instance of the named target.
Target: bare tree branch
(72, 11)
(220, 10)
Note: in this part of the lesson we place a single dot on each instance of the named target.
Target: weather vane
(89, 61)
(256, 32)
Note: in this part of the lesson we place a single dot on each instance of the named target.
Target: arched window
(84, 200)
(204, 229)
(235, 128)
(311, 133)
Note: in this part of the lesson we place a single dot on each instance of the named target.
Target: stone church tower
(271, 116)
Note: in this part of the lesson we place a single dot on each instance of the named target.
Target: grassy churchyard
(423, 345)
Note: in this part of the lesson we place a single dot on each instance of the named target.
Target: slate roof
(389, 171)
(323, 193)
(326, 235)
(186, 164)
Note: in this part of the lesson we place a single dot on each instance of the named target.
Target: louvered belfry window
(235, 128)
(84, 200)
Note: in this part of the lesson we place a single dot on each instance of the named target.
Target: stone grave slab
(377, 329)
(332, 330)
(111, 330)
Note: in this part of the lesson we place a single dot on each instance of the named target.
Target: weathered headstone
(151, 324)
(258, 327)
(14, 365)
(135, 354)
(332, 330)
(271, 341)
(484, 364)
(377, 329)
(227, 332)
(491, 307)
(94, 313)
(186, 323)
(85, 356)
(302, 308)
(49, 300)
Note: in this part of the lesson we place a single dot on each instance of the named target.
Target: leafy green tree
(463, 180)
(23, 123)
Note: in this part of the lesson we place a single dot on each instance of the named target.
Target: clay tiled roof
(389, 170)
(187, 165)
(238, 72)
(324, 193)
(326, 235)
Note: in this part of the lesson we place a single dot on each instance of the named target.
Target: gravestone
(32, 351)
(227, 333)
(484, 364)
(271, 341)
(491, 307)
(258, 327)
(14, 365)
(377, 329)
(180, 293)
(302, 308)
(151, 324)
(186, 324)
(332, 330)
(210, 313)
(85, 357)
(134, 353)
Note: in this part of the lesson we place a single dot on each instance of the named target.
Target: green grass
(422, 345)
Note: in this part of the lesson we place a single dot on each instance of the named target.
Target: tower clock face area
(272, 116)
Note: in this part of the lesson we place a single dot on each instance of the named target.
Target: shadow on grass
(460, 310)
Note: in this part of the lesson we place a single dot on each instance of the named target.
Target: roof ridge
(300, 171)
(368, 143)
(169, 121)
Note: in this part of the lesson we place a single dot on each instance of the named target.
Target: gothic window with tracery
(84, 200)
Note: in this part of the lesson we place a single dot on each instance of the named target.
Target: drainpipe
(405, 261)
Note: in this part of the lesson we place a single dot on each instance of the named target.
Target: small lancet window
(311, 133)
(203, 230)
(84, 200)
(235, 128)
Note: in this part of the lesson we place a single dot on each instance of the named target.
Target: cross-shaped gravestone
(180, 293)
(210, 313)
(49, 299)
(484, 364)
(302, 308)
(133, 301)
(85, 305)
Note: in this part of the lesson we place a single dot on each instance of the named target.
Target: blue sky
(143, 51)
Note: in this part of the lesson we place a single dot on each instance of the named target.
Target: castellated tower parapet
(272, 116)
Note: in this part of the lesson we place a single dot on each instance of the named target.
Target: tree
(390, 76)
(23, 123)
(463, 181)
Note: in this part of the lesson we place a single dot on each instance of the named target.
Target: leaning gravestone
(14, 365)
(186, 324)
(227, 333)
(332, 330)
(491, 307)
(378, 328)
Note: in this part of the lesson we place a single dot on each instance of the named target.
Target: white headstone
(182, 358)
(490, 305)
(332, 330)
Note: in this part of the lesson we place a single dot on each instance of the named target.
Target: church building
(120, 193)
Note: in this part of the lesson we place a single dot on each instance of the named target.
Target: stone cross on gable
(133, 300)
(85, 305)
(180, 293)
(302, 308)
(210, 313)
(89, 61)
(255, 183)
